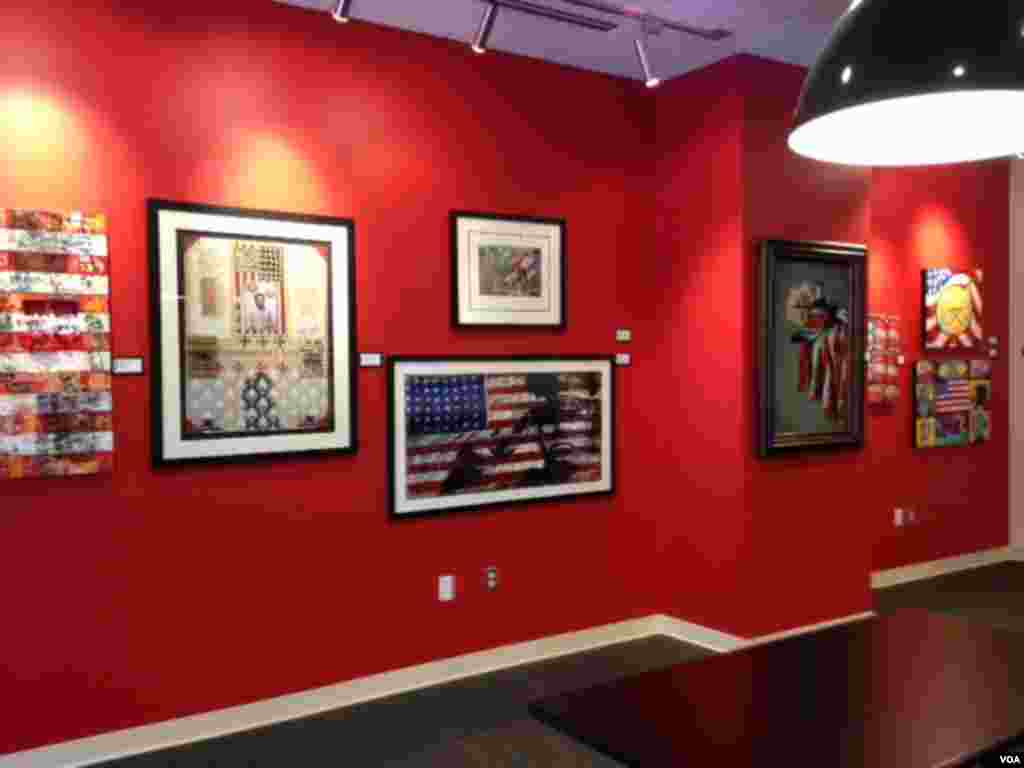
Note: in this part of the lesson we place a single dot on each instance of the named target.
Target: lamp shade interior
(903, 83)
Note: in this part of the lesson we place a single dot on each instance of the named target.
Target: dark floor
(483, 722)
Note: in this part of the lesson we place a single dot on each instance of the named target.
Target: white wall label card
(128, 366)
(624, 359)
(371, 359)
(623, 335)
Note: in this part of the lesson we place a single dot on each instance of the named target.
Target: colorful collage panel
(55, 392)
(953, 403)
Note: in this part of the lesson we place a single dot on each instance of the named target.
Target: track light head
(341, 12)
(650, 80)
(483, 34)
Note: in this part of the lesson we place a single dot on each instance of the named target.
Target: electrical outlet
(446, 588)
(491, 580)
(911, 517)
(897, 517)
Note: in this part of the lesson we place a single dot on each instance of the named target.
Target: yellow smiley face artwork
(955, 310)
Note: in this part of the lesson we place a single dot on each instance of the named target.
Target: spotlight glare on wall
(341, 12)
(483, 34)
(641, 53)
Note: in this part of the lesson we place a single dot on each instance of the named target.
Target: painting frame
(168, 221)
(470, 309)
(770, 441)
(399, 506)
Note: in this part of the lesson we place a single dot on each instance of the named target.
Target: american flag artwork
(55, 387)
(952, 405)
(502, 433)
(953, 309)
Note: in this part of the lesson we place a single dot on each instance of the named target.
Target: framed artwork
(884, 350)
(56, 405)
(254, 333)
(953, 309)
(812, 317)
(467, 433)
(953, 403)
(508, 271)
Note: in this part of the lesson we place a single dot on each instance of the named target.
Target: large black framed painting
(508, 271)
(254, 333)
(473, 432)
(812, 314)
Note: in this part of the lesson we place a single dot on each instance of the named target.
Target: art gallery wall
(149, 595)
(793, 540)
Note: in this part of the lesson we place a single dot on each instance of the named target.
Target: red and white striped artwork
(953, 309)
(55, 391)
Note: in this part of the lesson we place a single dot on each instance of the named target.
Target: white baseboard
(919, 571)
(223, 722)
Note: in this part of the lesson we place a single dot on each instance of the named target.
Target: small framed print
(508, 270)
(254, 347)
(469, 433)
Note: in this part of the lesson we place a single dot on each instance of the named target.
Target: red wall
(792, 541)
(698, 430)
(149, 595)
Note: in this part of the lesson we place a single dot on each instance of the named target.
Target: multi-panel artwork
(55, 394)
(257, 356)
(884, 349)
(467, 433)
(953, 309)
(953, 403)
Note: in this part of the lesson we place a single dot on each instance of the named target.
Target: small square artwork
(55, 382)
(953, 309)
(508, 270)
(953, 408)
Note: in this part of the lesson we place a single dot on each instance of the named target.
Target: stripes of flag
(55, 387)
(952, 396)
(954, 309)
(447, 416)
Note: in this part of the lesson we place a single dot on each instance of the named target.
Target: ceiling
(788, 30)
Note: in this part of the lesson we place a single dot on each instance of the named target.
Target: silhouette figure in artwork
(542, 421)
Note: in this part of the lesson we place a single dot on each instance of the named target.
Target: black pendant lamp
(916, 82)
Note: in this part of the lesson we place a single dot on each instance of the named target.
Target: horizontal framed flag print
(254, 333)
(470, 433)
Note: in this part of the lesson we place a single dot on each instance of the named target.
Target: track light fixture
(341, 13)
(483, 35)
(645, 64)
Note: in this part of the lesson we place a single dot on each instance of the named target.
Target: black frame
(855, 258)
(396, 360)
(563, 231)
(154, 207)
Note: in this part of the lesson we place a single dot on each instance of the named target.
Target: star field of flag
(443, 405)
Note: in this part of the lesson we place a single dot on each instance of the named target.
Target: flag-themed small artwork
(55, 395)
(953, 309)
(884, 348)
(468, 433)
(953, 403)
